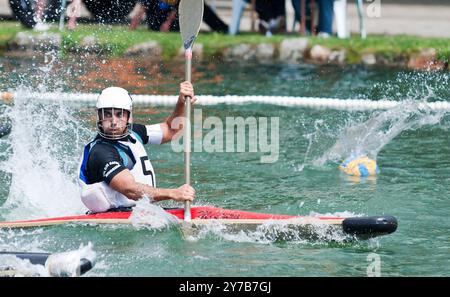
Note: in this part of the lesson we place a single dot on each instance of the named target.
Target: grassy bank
(118, 38)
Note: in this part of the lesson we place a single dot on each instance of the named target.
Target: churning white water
(42, 152)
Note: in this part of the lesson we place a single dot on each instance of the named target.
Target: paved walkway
(410, 19)
(421, 20)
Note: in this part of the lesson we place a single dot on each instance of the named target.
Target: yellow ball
(359, 166)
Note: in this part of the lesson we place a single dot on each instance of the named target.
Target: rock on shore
(291, 50)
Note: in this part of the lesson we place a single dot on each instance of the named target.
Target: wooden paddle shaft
(190, 16)
(187, 131)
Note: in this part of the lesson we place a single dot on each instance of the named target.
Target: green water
(410, 146)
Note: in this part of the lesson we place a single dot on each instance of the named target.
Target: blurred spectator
(325, 26)
(213, 21)
(39, 16)
(272, 16)
(162, 16)
(73, 12)
(325, 23)
(46, 10)
(137, 16)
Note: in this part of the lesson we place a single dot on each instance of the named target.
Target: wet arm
(125, 183)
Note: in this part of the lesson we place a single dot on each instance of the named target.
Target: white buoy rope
(308, 102)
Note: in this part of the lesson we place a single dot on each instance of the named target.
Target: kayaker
(115, 170)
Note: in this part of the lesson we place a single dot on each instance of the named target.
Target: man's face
(113, 120)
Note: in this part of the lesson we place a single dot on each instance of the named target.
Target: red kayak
(361, 227)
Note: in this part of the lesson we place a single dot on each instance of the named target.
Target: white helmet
(115, 98)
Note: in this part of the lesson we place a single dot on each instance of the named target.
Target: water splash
(429, 86)
(43, 149)
(367, 138)
(341, 134)
(58, 264)
(296, 231)
(272, 232)
(43, 161)
(21, 240)
(68, 263)
(150, 216)
(13, 266)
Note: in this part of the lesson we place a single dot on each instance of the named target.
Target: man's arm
(125, 183)
(170, 128)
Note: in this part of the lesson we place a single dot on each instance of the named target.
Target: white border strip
(311, 102)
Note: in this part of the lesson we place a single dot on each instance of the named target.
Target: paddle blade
(191, 15)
